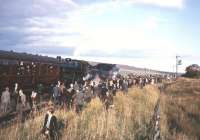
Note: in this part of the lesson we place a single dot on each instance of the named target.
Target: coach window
(51, 69)
(22, 69)
(28, 69)
(34, 67)
(18, 70)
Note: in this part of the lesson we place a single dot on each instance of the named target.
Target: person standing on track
(22, 98)
(56, 93)
(63, 95)
(15, 97)
(5, 100)
(79, 100)
(125, 86)
(33, 99)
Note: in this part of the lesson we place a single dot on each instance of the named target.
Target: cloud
(32, 24)
(31, 8)
(162, 3)
(61, 27)
(151, 23)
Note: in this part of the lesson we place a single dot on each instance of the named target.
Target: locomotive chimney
(59, 58)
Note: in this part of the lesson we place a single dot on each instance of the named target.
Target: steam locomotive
(29, 70)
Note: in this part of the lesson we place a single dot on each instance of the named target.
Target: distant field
(129, 119)
(181, 110)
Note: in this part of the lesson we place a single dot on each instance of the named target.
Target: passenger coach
(29, 70)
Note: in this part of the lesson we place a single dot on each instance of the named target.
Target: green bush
(192, 71)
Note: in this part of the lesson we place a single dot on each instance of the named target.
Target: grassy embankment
(128, 119)
(180, 106)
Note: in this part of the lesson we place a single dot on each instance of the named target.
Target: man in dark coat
(69, 96)
(15, 97)
(104, 90)
(56, 94)
(125, 86)
(50, 127)
(79, 100)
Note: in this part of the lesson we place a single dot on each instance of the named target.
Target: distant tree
(192, 71)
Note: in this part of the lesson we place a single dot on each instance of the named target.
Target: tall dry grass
(127, 120)
(180, 116)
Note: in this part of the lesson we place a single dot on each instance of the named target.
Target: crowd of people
(74, 96)
(77, 95)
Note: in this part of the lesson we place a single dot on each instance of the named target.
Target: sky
(141, 33)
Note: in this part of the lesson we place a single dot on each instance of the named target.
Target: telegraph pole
(178, 62)
(176, 65)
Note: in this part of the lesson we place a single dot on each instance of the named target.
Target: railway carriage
(29, 70)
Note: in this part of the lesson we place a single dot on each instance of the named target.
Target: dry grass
(184, 86)
(180, 105)
(128, 119)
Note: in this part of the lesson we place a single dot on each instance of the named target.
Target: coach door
(4, 76)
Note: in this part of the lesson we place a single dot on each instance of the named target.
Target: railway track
(154, 125)
(13, 117)
(154, 129)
